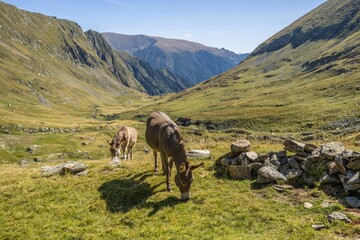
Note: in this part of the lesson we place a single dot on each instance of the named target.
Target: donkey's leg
(156, 162)
(167, 171)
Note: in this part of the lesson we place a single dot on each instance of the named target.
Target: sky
(237, 25)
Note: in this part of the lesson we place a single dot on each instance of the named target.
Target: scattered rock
(352, 202)
(338, 216)
(282, 188)
(255, 166)
(199, 154)
(240, 146)
(32, 148)
(308, 205)
(318, 226)
(84, 143)
(293, 146)
(263, 157)
(339, 164)
(327, 179)
(355, 165)
(24, 163)
(252, 156)
(292, 174)
(69, 167)
(293, 163)
(309, 148)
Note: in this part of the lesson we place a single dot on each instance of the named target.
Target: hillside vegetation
(306, 78)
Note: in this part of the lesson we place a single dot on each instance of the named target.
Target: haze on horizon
(236, 25)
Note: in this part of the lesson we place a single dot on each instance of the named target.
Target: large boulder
(69, 167)
(338, 216)
(199, 154)
(269, 174)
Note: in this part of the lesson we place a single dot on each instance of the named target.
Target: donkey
(163, 135)
(125, 138)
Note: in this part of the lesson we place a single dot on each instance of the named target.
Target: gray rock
(347, 153)
(198, 154)
(346, 186)
(268, 163)
(330, 150)
(318, 226)
(327, 179)
(293, 146)
(256, 166)
(69, 167)
(282, 188)
(239, 171)
(294, 163)
(226, 161)
(252, 156)
(354, 179)
(316, 156)
(352, 202)
(24, 163)
(308, 180)
(339, 164)
(263, 157)
(331, 167)
(32, 148)
(338, 216)
(281, 154)
(268, 174)
(309, 148)
(355, 165)
(240, 146)
(293, 174)
(284, 168)
(349, 174)
(306, 165)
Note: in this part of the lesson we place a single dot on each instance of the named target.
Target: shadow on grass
(122, 195)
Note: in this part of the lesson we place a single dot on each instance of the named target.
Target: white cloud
(188, 35)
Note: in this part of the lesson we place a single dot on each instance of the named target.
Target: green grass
(131, 202)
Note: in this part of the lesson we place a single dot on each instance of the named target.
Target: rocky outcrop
(300, 163)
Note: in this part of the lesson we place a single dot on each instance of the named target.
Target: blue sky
(237, 25)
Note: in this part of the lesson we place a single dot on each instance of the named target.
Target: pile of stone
(329, 163)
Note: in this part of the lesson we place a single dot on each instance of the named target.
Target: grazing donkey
(125, 138)
(163, 135)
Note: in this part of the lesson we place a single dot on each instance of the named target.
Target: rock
(349, 174)
(318, 226)
(309, 148)
(239, 171)
(327, 179)
(346, 186)
(308, 180)
(225, 162)
(146, 150)
(346, 154)
(24, 163)
(284, 168)
(255, 166)
(84, 143)
(234, 161)
(268, 163)
(308, 205)
(275, 162)
(199, 154)
(306, 165)
(281, 154)
(252, 156)
(316, 156)
(268, 174)
(330, 150)
(69, 167)
(293, 146)
(352, 202)
(354, 179)
(282, 188)
(240, 146)
(355, 165)
(263, 157)
(32, 148)
(293, 163)
(338, 216)
(331, 167)
(339, 164)
(293, 174)
(82, 173)
(325, 204)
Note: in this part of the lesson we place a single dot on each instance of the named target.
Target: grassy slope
(273, 91)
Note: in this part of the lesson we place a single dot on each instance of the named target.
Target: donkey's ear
(192, 167)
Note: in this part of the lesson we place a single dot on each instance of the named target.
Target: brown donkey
(163, 135)
(125, 138)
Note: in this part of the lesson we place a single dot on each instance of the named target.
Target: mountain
(192, 61)
(52, 65)
(304, 78)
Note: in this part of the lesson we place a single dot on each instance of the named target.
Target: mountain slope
(51, 66)
(192, 61)
(304, 78)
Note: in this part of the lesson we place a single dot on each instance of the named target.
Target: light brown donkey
(125, 138)
(163, 135)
